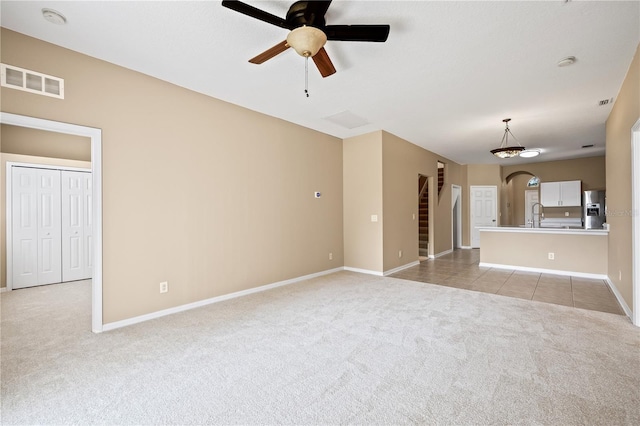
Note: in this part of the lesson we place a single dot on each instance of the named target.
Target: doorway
(483, 210)
(95, 135)
(423, 217)
(456, 217)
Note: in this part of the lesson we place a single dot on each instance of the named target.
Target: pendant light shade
(506, 151)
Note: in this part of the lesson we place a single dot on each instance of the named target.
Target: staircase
(423, 217)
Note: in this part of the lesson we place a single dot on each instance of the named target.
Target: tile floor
(461, 269)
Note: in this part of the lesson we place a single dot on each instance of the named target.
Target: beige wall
(211, 197)
(40, 143)
(381, 174)
(533, 250)
(362, 187)
(402, 163)
(4, 158)
(625, 113)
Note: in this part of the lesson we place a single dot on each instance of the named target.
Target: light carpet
(340, 349)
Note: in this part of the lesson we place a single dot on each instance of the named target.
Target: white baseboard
(621, 301)
(466, 247)
(364, 271)
(442, 253)
(3, 289)
(400, 268)
(545, 271)
(200, 303)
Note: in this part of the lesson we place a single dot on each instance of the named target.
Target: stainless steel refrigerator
(593, 209)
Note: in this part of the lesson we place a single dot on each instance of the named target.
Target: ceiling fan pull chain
(306, 76)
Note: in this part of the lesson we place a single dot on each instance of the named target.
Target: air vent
(587, 146)
(31, 81)
(605, 102)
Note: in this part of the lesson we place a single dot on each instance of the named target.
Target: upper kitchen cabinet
(561, 194)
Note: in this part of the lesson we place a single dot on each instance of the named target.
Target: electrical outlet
(374, 218)
(552, 256)
(399, 253)
(566, 214)
(330, 256)
(164, 287)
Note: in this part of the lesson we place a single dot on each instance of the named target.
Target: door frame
(95, 135)
(9, 207)
(471, 209)
(635, 221)
(456, 195)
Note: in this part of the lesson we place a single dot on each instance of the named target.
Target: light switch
(374, 218)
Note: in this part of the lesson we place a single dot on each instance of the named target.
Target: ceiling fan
(309, 32)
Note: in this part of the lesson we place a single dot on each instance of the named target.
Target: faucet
(533, 214)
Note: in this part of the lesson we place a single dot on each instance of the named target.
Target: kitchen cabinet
(561, 194)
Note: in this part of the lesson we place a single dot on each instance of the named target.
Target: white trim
(201, 303)
(635, 222)
(364, 271)
(9, 209)
(96, 169)
(466, 247)
(3, 289)
(621, 301)
(442, 253)
(400, 268)
(545, 271)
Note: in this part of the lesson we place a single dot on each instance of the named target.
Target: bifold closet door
(36, 227)
(77, 236)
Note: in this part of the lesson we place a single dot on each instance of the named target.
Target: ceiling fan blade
(324, 64)
(377, 33)
(270, 53)
(254, 12)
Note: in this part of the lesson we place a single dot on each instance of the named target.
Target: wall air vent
(31, 81)
(587, 146)
(605, 102)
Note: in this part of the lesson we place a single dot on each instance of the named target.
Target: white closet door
(76, 252)
(36, 255)
(24, 227)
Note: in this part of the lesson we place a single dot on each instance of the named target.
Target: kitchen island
(577, 252)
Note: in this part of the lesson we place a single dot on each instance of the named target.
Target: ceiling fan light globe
(306, 41)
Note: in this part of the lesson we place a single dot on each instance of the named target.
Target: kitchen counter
(577, 252)
(545, 230)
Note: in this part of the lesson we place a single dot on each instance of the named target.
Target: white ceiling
(444, 80)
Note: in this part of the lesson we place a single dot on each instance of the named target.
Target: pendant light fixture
(506, 151)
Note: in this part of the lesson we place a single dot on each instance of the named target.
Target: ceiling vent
(347, 119)
(605, 102)
(31, 81)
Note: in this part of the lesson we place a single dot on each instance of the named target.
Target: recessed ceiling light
(567, 61)
(529, 153)
(54, 16)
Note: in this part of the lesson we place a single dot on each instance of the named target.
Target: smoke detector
(54, 16)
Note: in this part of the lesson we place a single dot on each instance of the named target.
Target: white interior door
(484, 208)
(36, 230)
(530, 198)
(76, 227)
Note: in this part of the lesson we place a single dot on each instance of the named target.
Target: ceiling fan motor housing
(300, 14)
